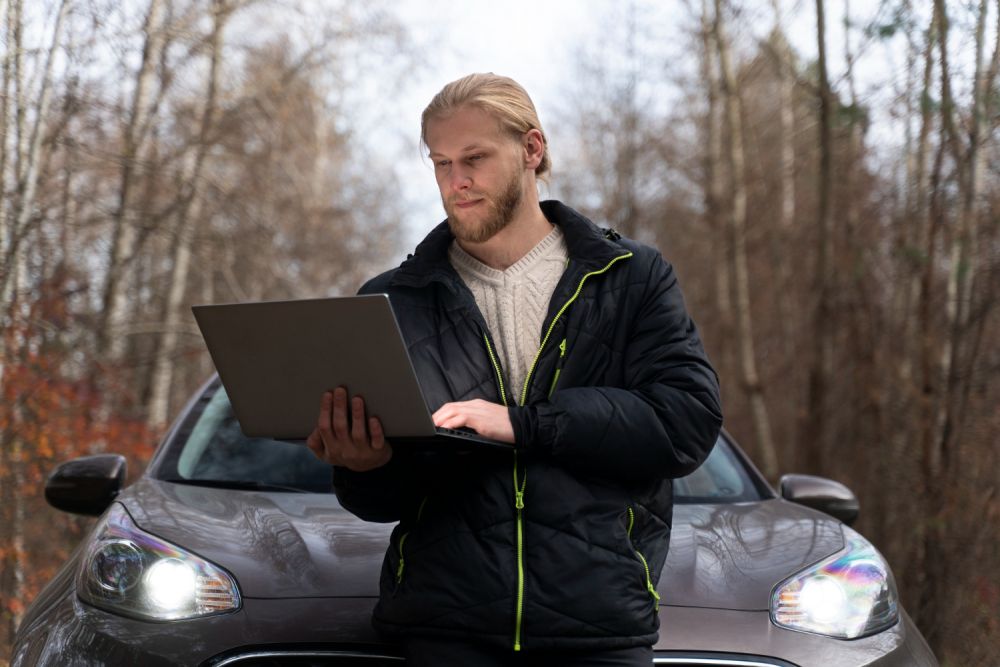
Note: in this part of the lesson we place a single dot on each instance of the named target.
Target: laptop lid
(276, 358)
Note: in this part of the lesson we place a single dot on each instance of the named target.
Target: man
(529, 324)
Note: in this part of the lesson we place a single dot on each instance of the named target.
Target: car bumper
(74, 633)
(71, 632)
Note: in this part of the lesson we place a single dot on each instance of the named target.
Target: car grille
(307, 658)
(684, 659)
(344, 658)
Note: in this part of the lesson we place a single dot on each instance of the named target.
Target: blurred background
(823, 174)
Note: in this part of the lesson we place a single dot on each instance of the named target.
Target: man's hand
(490, 420)
(358, 447)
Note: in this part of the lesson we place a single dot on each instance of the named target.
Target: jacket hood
(287, 545)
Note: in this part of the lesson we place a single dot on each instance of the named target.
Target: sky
(537, 42)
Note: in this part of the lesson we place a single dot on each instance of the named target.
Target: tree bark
(814, 427)
(188, 214)
(10, 71)
(737, 230)
(7, 12)
(712, 185)
(123, 238)
(28, 163)
(976, 308)
(786, 113)
(779, 235)
(962, 265)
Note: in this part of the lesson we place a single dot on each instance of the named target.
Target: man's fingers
(489, 419)
(358, 432)
(377, 435)
(456, 421)
(339, 419)
(325, 407)
(444, 413)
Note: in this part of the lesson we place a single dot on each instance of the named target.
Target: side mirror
(822, 494)
(86, 485)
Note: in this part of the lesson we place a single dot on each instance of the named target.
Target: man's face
(479, 172)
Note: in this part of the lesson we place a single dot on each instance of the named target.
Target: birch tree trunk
(778, 235)
(732, 108)
(7, 12)
(109, 341)
(12, 19)
(624, 199)
(962, 265)
(712, 186)
(28, 166)
(188, 214)
(964, 249)
(918, 219)
(786, 113)
(984, 114)
(906, 388)
(17, 529)
(814, 427)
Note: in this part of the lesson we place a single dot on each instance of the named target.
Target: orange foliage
(56, 418)
(51, 411)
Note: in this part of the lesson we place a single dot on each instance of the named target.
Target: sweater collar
(588, 245)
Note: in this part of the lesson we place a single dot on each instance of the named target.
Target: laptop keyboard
(460, 432)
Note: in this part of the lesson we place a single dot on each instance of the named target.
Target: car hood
(730, 556)
(277, 545)
(282, 545)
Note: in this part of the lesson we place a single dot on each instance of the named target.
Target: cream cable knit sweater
(515, 301)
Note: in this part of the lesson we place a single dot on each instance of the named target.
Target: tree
(737, 250)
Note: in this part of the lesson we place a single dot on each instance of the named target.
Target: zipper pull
(559, 365)
(519, 500)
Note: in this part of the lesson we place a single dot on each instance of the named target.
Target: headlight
(128, 571)
(849, 595)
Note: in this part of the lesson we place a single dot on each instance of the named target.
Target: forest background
(831, 205)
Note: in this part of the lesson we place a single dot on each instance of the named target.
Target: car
(233, 551)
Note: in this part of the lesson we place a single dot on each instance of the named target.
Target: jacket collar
(589, 247)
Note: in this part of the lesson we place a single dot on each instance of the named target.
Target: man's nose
(459, 179)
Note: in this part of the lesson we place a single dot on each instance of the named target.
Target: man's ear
(533, 145)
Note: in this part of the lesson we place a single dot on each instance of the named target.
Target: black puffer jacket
(561, 543)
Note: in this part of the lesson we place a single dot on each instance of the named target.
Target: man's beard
(500, 214)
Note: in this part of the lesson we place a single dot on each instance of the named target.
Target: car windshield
(209, 448)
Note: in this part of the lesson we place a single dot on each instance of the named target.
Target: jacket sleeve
(377, 495)
(663, 422)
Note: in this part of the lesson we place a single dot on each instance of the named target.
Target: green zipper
(399, 568)
(519, 489)
(496, 367)
(552, 325)
(518, 505)
(649, 579)
(559, 365)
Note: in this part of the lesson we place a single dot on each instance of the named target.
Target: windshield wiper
(242, 485)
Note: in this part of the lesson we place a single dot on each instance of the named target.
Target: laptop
(276, 358)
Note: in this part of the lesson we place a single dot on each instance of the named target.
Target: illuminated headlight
(849, 595)
(128, 571)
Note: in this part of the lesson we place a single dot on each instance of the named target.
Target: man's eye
(473, 158)
(442, 163)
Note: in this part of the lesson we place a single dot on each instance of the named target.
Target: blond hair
(501, 97)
